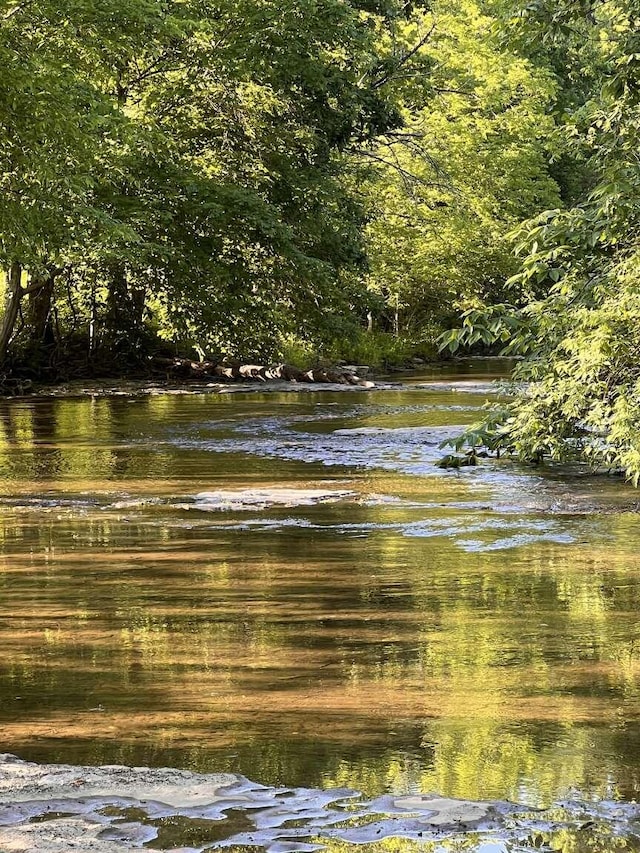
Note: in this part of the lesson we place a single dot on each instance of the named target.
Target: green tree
(62, 124)
(578, 335)
(472, 163)
(187, 167)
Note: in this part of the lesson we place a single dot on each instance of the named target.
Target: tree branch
(404, 59)
(404, 173)
(440, 91)
(32, 288)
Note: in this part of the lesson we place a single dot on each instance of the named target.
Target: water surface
(285, 586)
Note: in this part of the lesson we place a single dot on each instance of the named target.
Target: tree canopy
(229, 176)
(182, 165)
(475, 163)
(576, 326)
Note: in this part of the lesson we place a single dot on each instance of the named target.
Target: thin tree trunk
(124, 327)
(138, 299)
(117, 297)
(93, 322)
(125, 302)
(11, 308)
(40, 327)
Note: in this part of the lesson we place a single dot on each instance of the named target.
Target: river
(284, 586)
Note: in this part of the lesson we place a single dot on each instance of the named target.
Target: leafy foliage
(474, 163)
(244, 177)
(578, 335)
(186, 165)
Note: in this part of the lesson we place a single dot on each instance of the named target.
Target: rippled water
(285, 586)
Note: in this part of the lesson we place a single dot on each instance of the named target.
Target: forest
(315, 180)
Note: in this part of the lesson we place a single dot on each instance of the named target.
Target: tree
(187, 167)
(579, 333)
(471, 163)
(61, 122)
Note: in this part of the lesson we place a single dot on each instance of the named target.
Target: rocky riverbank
(111, 809)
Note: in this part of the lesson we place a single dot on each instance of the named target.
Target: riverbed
(284, 587)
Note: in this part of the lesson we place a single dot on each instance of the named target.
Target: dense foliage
(482, 136)
(578, 331)
(181, 167)
(236, 177)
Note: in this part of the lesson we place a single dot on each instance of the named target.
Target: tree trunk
(11, 308)
(125, 306)
(117, 297)
(39, 313)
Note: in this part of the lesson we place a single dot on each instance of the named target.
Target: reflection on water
(385, 625)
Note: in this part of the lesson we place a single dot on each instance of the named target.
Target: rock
(453, 461)
(445, 811)
(234, 371)
(254, 499)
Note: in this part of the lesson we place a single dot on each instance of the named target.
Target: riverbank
(191, 377)
(141, 388)
(443, 376)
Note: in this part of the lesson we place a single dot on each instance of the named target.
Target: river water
(286, 587)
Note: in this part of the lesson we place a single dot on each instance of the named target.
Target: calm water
(284, 586)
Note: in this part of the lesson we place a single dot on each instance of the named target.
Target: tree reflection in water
(322, 646)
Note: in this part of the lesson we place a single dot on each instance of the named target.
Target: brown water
(471, 633)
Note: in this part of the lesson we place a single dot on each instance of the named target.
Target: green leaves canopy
(196, 152)
(472, 163)
(579, 335)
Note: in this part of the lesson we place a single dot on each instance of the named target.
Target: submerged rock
(111, 809)
(453, 461)
(243, 499)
